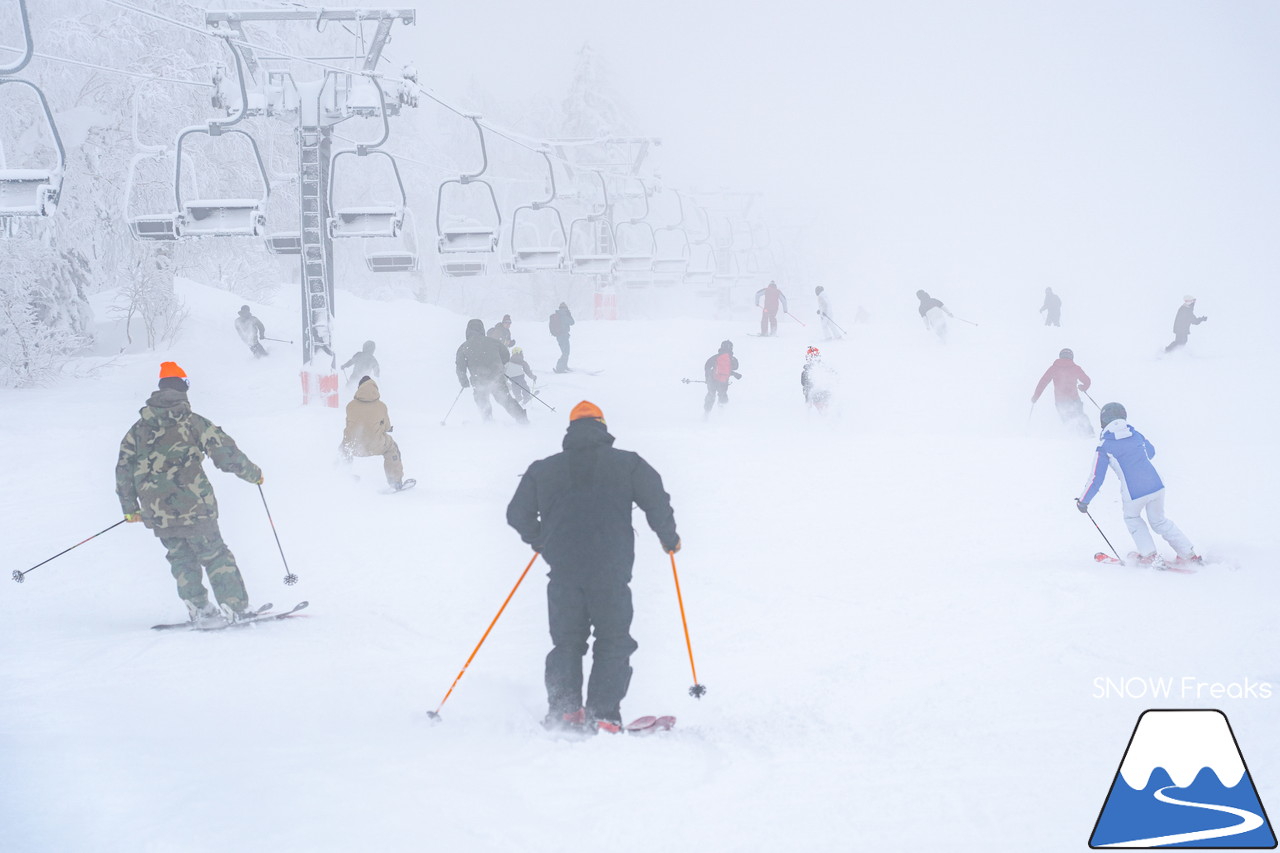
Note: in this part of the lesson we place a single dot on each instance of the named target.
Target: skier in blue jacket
(1129, 454)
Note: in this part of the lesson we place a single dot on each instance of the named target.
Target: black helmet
(244, 309)
(726, 346)
(1066, 353)
(1112, 412)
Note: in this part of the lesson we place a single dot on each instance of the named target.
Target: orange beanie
(586, 410)
(170, 369)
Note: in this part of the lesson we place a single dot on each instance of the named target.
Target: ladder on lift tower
(314, 256)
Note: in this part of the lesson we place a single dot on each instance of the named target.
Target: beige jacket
(367, 423)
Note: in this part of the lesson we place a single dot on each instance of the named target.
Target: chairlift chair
(284, 243)
(33, 192)
(465, 246)
(640, 242)
(594, 226)
(668, 266)
(378, 220)
(538, 255)
(401, 259)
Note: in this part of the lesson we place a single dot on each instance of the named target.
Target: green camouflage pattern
(159, 472)
(188, 554)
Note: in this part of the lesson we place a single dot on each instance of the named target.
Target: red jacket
(1065, 373)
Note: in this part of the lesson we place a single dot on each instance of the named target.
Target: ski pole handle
(19, 577)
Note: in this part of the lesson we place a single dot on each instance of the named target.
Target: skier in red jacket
(1068, 380)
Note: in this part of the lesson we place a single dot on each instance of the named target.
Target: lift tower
(317, 105)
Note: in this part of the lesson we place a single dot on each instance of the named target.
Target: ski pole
(289, 577)
(834, 323)
(694, 381)
(543, 402)
(697, 691)
(1091, 400)
(1104, 537)
(451, 405)
(19, 577)
(277, 340)
(435, 715)
(794, 317)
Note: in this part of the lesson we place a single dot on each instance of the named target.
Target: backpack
(553, 324)
(724, 367)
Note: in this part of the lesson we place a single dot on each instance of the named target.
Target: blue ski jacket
(1128, 452)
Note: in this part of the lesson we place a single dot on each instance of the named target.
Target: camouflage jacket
(159, 471)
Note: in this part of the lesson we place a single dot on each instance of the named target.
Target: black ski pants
(483, 389)
(715, 390)
(575, 611)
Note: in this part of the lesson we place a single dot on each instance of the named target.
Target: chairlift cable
(140, 75)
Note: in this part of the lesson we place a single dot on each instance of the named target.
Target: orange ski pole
(697, 691)
(435, 715)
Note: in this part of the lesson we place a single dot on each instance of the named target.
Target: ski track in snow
(891, 606)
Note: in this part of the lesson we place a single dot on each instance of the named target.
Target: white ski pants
(1153, 505)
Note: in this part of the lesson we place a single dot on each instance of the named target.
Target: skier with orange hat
(574, 508)
(160, 481)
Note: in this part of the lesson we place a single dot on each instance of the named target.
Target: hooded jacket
(363, 363)
(249, 328)
(772, 296)
(1185, 319)
(709, 368)
(367, 423)
(575, 507)
(1064, 373)
(159, 472)
(1127, 452)
(480, 354)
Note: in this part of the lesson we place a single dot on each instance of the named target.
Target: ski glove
(676, 550)
(1081, 505)
(736, 375)
(261, 479)
(132, 517)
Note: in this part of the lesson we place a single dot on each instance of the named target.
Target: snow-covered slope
(894, 607)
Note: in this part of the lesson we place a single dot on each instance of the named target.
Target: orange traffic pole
(697, 691)
(435, 715)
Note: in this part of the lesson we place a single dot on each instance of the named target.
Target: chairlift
(466, 244)
(702, 256)
(28, 46)
(594, 226)
(379, 220)
(636, 242)
(538, 255)
(33, 192)
(149, 226)
(401, 259)
(222, 217)
(670, 265)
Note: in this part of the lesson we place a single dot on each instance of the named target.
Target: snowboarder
(1182, 323)
(1141, 489)
(368, 433)
(933, 311)
(160, 481)
(251, 331)
(1052, 308)
(574, 508)
(502, 332)
(484, 358)
(829, 329)
(717, 371)
(558, 323)
(816, 380)
(516, 370)
(769, 315)
(1068, 380)
(362, 364)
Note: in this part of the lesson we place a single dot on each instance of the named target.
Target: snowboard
(1132, 560)
(405, 485)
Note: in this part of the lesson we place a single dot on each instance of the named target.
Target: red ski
(1133, 561)
(649, 725)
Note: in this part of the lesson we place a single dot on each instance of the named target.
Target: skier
(251, 331)
(574, 508)
(368, 433)
(1068, 380)
(769, 316)
(502, 332)
(1182, 323)
(160, 481)
(362, 364)
(484, 358)
(815, 380)
(559, 323)
(717, 371)
(932, 310)
(829, 329)
(1141, 490)
(1052, 308)
(516, 370)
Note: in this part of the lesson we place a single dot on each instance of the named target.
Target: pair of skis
(638, 726)
(1134, 561)
(262, 614)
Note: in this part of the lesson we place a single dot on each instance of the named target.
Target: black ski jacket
(575, 507)
(482, 355)
(1185, 319)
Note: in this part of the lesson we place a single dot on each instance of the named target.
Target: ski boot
(203, 613)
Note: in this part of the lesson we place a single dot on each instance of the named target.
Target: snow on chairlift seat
(158, 226)
(222, 217)
(284, 243)
(592, 264)
(634, 263)
(393, 261)
(373, 221)
(29, 192)
(528, 258)
(459, 266)
(468, 238)
(670, 266)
